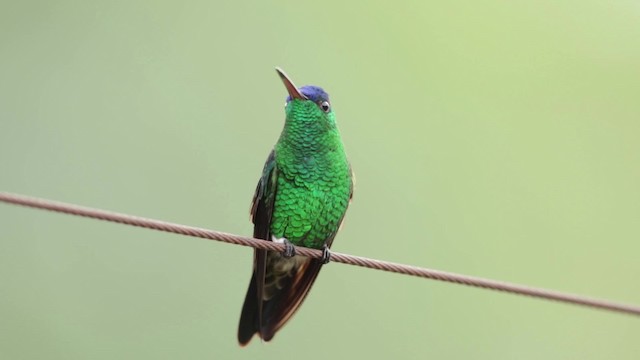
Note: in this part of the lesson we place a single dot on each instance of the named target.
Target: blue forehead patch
(314, 93)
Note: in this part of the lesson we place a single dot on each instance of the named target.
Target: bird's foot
(326, 255)
(289, 249)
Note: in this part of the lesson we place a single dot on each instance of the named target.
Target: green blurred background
(491, 138)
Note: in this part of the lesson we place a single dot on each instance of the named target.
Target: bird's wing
(261, 212)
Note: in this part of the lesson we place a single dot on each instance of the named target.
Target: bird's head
(307, 104)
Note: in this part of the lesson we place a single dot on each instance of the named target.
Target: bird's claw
(289, 249)
(326, 255)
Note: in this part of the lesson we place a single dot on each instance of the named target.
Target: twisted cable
(445, 276)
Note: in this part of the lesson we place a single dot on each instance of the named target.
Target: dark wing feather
(261, 211)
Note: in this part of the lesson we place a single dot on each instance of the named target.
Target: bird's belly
(307, 216)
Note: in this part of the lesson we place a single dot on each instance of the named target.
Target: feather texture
(302, 196)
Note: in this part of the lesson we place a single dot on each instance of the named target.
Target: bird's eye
(325, 106)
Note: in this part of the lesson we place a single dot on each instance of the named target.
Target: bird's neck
(304, 149)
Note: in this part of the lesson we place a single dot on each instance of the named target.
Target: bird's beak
(291, 88)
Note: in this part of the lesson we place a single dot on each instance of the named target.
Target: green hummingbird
(301, 199)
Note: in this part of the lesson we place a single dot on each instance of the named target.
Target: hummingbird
(301, 199)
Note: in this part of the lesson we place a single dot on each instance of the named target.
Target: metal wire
(335, 257)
